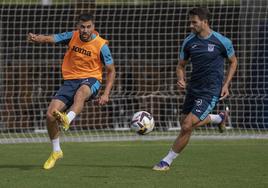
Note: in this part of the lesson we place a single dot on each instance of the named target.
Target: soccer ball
(142, 122)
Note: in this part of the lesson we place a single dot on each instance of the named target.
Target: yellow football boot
(62, 118)
(54, 156)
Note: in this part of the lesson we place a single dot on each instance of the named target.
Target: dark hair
(86, 17)
(201, 12)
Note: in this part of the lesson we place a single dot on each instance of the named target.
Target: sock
(215, 118)
(170, 157)
(56, 144)
(71, 115)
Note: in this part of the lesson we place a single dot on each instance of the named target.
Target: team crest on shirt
(198, 102)
(211, 47)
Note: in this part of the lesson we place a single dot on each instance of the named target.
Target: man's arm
(181, 73)
(110, 69)
(34, 38)
(229, 75)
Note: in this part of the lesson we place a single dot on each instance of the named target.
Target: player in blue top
(206, 50)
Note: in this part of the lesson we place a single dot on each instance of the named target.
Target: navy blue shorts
(67, 91)
(199, 106)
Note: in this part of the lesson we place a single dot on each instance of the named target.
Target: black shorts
(199, 106)
(67, 91)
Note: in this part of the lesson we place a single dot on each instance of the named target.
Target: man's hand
(181, 84)
(103, 99)
(224, 92)
(32, 37)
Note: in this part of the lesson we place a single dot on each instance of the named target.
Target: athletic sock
(71, 115)
(56, 144)
(215, 118)
(170, 157)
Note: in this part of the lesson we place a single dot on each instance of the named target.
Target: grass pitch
(239, 163)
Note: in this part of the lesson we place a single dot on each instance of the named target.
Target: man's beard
(85, 37)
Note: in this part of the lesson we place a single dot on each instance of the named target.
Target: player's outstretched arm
(34, 38)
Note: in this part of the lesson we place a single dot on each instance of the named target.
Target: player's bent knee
(50, 116)
(186, 128)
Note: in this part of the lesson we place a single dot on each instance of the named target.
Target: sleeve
(106, 56)
(63, 38)
(229, 49)
(184, 55)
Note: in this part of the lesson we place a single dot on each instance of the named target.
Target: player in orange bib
(82, 73)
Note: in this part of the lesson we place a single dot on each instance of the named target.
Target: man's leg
(81, 95)
(218, 119)
(185, 133)
(53, 131)
(189, 123)
(180, 142)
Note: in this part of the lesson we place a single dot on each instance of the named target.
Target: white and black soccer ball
(142, 122)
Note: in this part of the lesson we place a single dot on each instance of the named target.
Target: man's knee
(186, 127)
(50, 116)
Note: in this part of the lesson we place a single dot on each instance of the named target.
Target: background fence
(145, 37)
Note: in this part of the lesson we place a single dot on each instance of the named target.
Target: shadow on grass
(31, 167)
(21, 167)
(109, 166)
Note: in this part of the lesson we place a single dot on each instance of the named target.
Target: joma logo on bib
(81, 51)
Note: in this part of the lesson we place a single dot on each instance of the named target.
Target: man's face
(197, 25)
(85, 30)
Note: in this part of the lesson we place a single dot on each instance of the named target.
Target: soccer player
(82, 65)
(206, 50)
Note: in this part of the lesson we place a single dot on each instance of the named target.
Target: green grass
(240, 163)
(202, 131)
